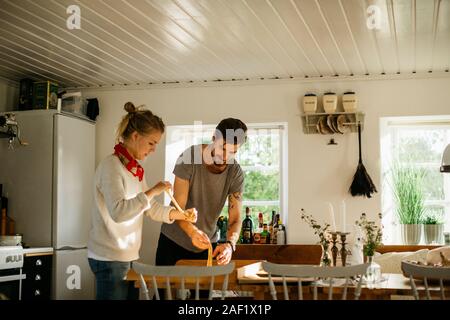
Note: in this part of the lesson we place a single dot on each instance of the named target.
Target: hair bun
(129, 107)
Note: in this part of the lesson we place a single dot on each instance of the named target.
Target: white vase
(373, 273)
(434, 233)
(357, 254)
(411, 233)
(325, 259)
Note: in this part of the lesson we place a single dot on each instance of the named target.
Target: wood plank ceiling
(164, 41)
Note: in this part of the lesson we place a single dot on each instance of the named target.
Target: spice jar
(329, 102)
(349, 101)
(309, 103)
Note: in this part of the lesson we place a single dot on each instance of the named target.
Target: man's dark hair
(234, 131)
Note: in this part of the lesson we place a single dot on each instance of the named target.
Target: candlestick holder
(334, 248)
(343, 236)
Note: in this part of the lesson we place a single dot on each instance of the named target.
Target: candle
(344, 213)
(333, 220)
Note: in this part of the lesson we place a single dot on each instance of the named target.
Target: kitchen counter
(302, 253)
(38, 251)
(289, 253)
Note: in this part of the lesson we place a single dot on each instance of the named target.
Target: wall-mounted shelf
(332, 123)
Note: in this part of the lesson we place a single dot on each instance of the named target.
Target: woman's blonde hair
(141, 120)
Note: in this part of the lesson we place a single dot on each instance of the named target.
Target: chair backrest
(415, 271)
(182, 272)
(306, 272)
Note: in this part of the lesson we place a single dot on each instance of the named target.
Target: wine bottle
(247, 228)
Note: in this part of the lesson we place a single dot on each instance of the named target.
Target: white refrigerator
(50, 186)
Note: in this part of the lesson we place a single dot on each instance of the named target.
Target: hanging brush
(362, 184)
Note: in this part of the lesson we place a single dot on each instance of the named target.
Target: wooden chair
(182, 272)
(303, 272)
(415, 271)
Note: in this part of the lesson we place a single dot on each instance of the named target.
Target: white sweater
(117, 217)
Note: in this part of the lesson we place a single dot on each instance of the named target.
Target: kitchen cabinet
(38, 270)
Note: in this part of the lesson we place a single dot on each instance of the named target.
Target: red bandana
(128, 161)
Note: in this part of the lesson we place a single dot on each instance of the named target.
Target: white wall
(9, 96)
(317, 172)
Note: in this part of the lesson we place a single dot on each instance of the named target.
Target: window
(262, 158)
(419, 141)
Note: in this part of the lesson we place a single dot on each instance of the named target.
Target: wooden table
(233, 284)
(245, 279)
(393, 286)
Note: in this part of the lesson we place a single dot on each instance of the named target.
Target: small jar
(349, 101)
(329, 102)
(447, 238)
(309, 103)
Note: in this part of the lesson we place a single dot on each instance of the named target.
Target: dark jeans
(168, 252)
(110, 280)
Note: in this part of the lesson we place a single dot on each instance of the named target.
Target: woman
(122, 198)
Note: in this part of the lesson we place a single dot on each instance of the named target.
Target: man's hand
(200, 239)
(223, 252)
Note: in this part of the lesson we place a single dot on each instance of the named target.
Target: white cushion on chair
(390, 262)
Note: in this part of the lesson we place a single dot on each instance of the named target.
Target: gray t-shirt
(207, 193)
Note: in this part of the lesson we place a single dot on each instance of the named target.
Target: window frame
(389, 131)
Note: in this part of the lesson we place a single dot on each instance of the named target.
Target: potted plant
(433, 225)
(407, 186)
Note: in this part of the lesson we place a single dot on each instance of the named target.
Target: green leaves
(262, 185)
(373, 234)
(407, 185)
(433, 218)
(321, 231)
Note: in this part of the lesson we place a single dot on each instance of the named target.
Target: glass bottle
(247, 228)
(280, 235)
(270, 226)
(260, 221)
(373, 273)
(265, 235)
(222, 224)
(325, 259)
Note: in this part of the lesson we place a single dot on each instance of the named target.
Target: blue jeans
(110, 279)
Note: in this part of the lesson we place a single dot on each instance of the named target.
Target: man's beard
(219, 165)
(216, 162)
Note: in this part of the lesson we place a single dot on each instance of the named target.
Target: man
(205, 176)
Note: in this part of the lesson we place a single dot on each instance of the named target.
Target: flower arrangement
(324, 236)
(373, 234)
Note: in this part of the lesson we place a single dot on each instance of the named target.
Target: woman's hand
(159, 188)
(189, 215)
(200, 239)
